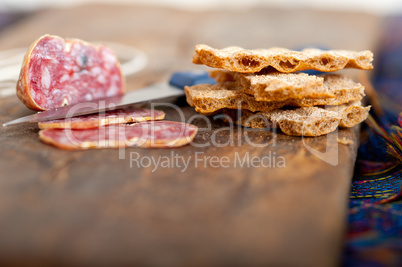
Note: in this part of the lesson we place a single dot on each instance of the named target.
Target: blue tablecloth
(374, 236)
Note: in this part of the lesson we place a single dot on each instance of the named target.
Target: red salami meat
(110, 117)
(143, 134)
(57, 72)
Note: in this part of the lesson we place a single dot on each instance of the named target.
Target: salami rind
(150, 134)
(56, 72)
(108, 118)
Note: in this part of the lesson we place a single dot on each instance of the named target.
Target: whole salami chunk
(110, 117)
(57, 72)
(143, 134)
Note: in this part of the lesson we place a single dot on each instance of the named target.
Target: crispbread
(304, 121)
(250, 61)
(343, 88)
(276, 86)
(208, 98)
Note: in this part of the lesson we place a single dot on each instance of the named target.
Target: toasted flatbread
(283, 86)
(276, 86)
(304, 121)
(250, 61)
(208, 98)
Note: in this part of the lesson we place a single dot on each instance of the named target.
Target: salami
(57, 72)
(143, 134)
(110, 117)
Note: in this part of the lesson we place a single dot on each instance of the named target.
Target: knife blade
(154, 92)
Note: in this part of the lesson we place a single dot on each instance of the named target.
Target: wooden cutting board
(99, 207)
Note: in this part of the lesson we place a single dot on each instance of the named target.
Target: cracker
(342, 87)
(276, 86)
(250, 61)
(304, 121)
(208, 98)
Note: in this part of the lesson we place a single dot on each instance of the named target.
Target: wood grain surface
(95, 208)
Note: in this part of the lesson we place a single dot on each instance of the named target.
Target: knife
(158, 91)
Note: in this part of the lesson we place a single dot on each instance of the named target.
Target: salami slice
(110, 117)
(143, 134)
(57, 72)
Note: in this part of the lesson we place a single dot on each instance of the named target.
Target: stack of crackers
(264, 89)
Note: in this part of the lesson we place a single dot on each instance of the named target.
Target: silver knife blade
(153, 92)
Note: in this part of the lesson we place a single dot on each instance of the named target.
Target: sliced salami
(110, 117)
(57, 72)
(143, 134)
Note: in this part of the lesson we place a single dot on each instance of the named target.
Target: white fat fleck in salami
(101, 78)
(126, 115)
(56, 72)
(45, 79)
(64, 78)
(88, 97)
(67, 47)
(144, 134)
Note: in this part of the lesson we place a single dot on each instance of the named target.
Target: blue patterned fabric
(374, 236)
